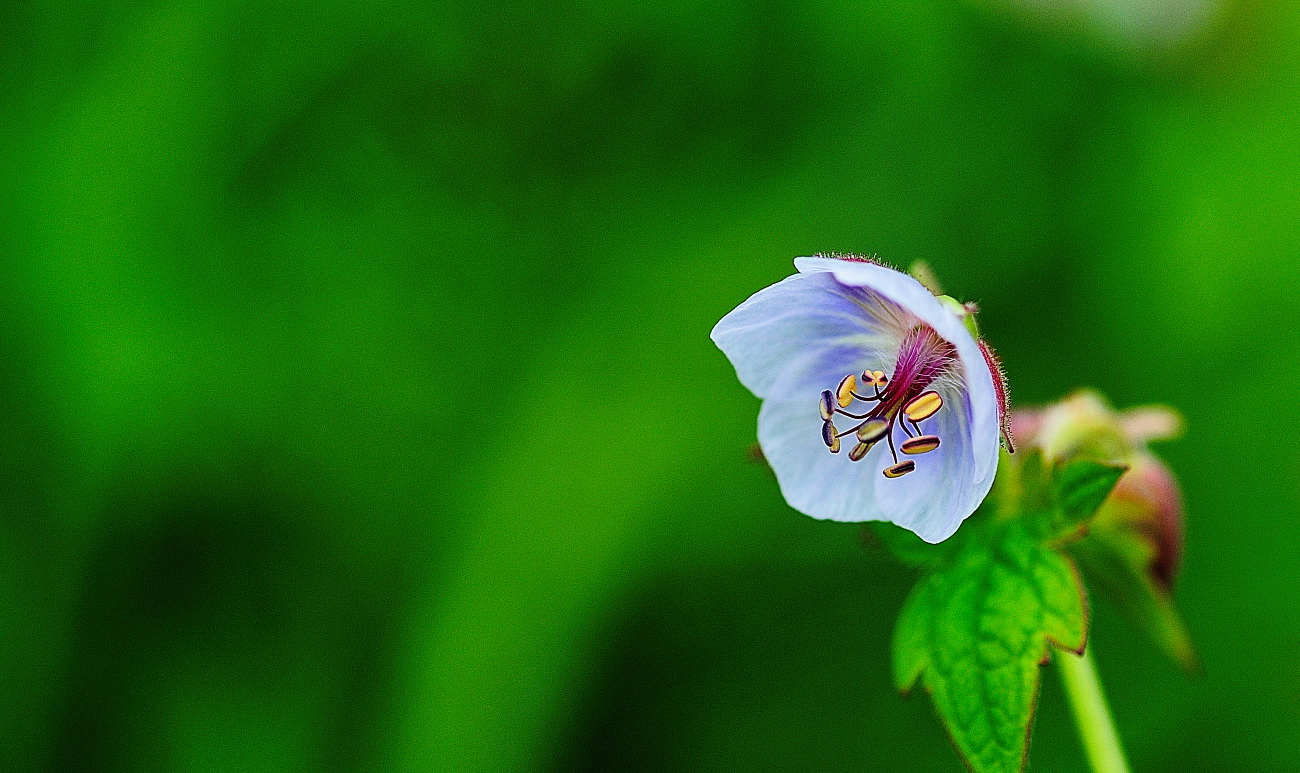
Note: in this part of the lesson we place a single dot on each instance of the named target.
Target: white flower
(848, 353)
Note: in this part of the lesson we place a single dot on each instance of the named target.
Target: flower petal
(803, 334)
(813, 480)
(932, 501)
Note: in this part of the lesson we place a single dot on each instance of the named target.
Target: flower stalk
(1091, 714)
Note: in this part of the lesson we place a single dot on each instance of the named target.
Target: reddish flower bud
(1146, 501)
(1134, 545)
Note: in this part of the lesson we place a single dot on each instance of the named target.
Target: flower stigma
(896, 401)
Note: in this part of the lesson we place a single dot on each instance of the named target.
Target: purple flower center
(901, 399)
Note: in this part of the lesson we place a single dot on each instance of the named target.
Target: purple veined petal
(911, 295)
(803, 334)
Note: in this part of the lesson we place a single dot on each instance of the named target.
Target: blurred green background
(358, 411)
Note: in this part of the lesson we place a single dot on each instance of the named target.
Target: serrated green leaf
(975, 631)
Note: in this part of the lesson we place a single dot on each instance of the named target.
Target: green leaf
(976, 629)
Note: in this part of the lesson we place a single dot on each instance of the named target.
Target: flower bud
(1146, 501)
(1134, 543)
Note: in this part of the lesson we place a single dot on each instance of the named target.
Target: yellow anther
(875, 378)
(899, 470)
(845, 390)
(859, 451)
(923, 406)
(920, 445)
(835, 445)
(872, 430)
(826, 405)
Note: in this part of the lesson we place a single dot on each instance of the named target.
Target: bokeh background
(358, 411)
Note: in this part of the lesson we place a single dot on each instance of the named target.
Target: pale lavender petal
(931, 501)
(804, 333)
(813, 480)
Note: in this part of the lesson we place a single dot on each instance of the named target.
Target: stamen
(872, 429)
(920, 445)
(899, 470)
(902, 400)
(852, 415)
(845, 390)
(923, 406)
(826, 405)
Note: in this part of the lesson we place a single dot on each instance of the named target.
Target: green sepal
(1059, 502)
(1036, 492)
(975, 630)
(921, 271)
(1080, 488)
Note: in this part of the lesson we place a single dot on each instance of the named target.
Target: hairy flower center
(898, 400)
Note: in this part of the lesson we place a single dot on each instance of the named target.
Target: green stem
(1096, 728)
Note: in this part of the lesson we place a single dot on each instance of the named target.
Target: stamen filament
(843, 412)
